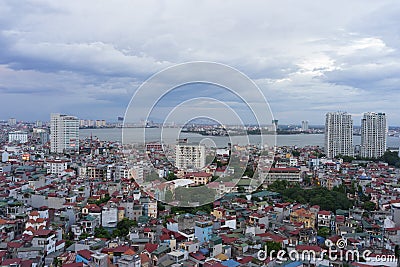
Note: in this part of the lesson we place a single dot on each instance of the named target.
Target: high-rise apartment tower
(338, 134)
(64, 133)
(373, 134)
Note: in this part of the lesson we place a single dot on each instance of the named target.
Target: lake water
(169, 136)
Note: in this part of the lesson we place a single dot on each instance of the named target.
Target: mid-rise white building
(109, 217)
(57, 166)
(117, 172)
(338, 134)
(373, 134)
(100, 123)
(190, 156)
(12, 122)
(64, 133)
(19, 136)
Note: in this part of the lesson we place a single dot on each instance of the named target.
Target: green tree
(324, 232)
(346, 158)
(171, 176)
(295, 153)
(327, 200)
(272, 245)
(369, 205)
(160, 206)
(100, 232)
(57, 262)
(123, 227)
(241, 189)
(391, 158)
(169, 197)
(83, 236)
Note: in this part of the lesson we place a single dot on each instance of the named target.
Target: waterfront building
(373, 134)
(338, 134)
(64, 133)
(304, 126)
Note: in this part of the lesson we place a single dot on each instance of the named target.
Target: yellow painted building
(306, 217)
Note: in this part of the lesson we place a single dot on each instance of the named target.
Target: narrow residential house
(109, 216)
(339, 222)
(258, 219)
(172, 225)
(324, 219)
(215, 246)
(199, 178)
(239, 249)
(93, 210)
(190, 246)
(130, 260)
(45, 239)
(307, 218)
(10, 229)
(84, 256)
(99, 259)
(35, 221)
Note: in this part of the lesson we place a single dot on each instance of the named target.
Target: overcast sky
(87, 58)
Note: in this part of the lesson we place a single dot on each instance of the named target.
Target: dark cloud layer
(87, 58)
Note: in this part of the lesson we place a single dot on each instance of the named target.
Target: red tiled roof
(34, 213)
(308, 248)
(149, 247)
(198, 174)
(14, 244)
(121, 249)
(8, 262)
(246, 260)
(324, 212)
(85, 253)
(197, 256)
(144, 258)
(42, 232)
(60, 242)
(26, 263)
(75, 264)
(228, 240)
(129, 251)
(273, 237)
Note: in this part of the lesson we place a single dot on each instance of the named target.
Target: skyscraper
(338, 134)
(373, 134)
(64, 133)
(304, 126)
(275, 124)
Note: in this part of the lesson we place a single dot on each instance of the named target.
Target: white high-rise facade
(190, 156)
(12, 121)
(64, 133)
(338, 134)
(304, 126)
(373, 134)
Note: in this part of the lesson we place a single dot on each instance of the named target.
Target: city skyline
(89, 61)
(199, 133)
(99, 122)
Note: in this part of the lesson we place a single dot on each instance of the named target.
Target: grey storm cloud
(87, 58)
